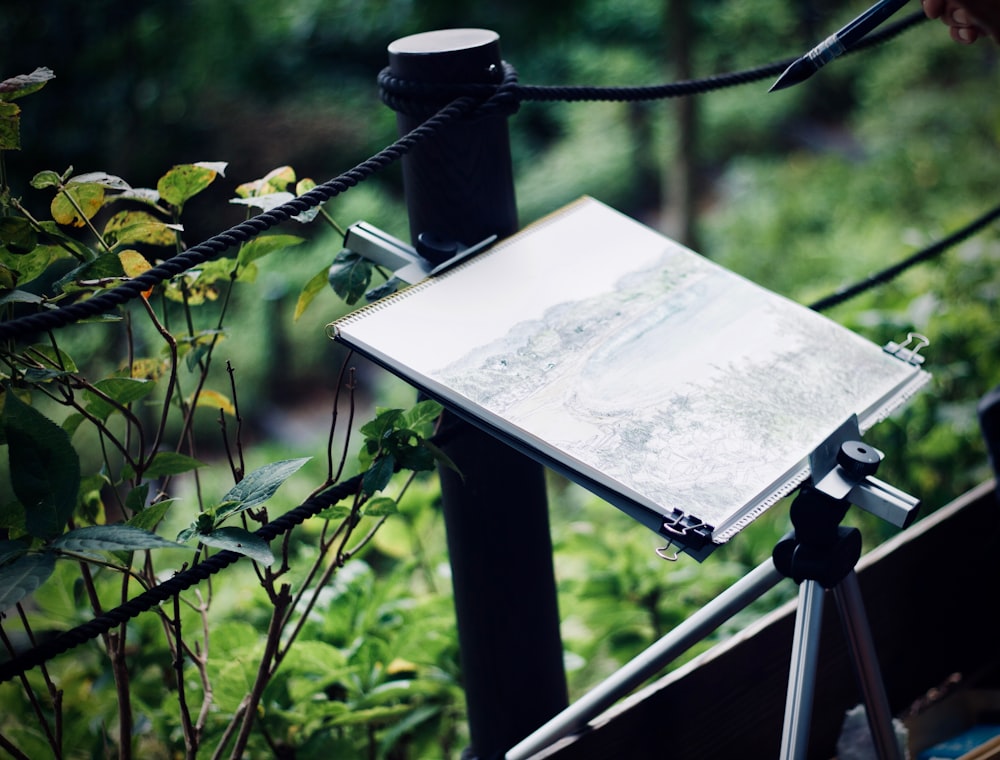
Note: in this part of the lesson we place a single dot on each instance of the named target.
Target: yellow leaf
(68, 205)
(149, 369)
(216, 400)
(135, 264)
(275, 181)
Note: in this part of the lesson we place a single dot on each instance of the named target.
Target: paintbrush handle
(851, 34)
(841, 41)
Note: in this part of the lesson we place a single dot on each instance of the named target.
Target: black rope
(241, 233)
(412, 97)
(890, 273)
(184, 580)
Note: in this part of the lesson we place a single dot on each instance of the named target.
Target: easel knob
(858, 459)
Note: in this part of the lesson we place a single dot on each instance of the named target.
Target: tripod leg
(847, 594)
(802, 673)
(631, 675)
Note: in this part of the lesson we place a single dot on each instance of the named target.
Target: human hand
(967, 20)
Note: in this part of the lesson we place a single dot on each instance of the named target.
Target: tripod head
(843, 469)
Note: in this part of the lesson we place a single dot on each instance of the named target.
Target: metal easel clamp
(432, 255)
(843, 468)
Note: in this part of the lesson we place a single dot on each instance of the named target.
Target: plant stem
(55, 694)
(14, 751)
(171, 379)
(38, 228)
(114, 645)
(264, 671)
(33, 699)
(90, 225)
(190, 737)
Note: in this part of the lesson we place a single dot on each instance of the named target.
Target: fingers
(984, 14)
(933, 8)
(967, 20)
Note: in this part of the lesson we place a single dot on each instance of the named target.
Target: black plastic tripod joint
(819, 548)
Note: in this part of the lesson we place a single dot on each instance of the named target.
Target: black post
(459, 186)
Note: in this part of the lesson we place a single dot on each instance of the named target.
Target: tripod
(818, 554)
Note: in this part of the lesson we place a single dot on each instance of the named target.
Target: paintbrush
(837, 44)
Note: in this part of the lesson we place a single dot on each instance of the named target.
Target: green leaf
(8, 277)
(259, 486)
(124, 390)
(232, 676)
(29, 266)
(171, 463)
(10, 126)
(20, 296)
(44, 179)
(25, 84)
(187, 534)
(66, 243)
(42, 376)
(105, 266)
(441, 458)
(415, 456)
(72, 423)
(17, 234)
(75, 204)
(10, 550)
(317, 284)
(422, 416)
(135, 501)
(12, 513)
(381, 506)
(371, 715)
(24, 575)
(150, 517)
(239, 541)
(56, 357)
(130, 227)
(276, 180)
(44, 468)
(107, 538)
(350, 275)
(384, 423)
(90, 501)
(379, 474)
(265, 245)
(183, 182)
(336, 512)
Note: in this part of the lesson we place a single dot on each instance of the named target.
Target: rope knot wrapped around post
(423, 99)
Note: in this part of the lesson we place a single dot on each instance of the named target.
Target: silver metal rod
(847, 594)
(738, 596)
(802, 672)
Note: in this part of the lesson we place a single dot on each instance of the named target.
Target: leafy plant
(102, 453)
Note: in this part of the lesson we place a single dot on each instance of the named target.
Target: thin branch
(33, 698)
(171, 342)
(55, 694)
(190, 738)
(14, 751)
(264, 671)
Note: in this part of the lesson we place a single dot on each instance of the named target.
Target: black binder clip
(409, 265)
(683, 531)
(902, 350)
